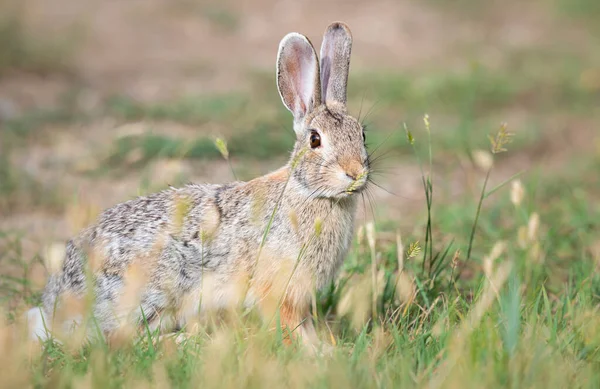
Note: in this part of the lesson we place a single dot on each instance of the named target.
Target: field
(476, 261)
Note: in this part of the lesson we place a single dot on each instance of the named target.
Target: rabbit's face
(332, 158)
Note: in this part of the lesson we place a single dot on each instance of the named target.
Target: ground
(101, 101)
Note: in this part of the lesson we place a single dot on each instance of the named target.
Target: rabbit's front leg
(296, 322)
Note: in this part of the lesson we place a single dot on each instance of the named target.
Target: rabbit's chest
(326, 242)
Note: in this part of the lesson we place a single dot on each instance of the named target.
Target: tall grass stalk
(428, 188)
(477, 213)
(497, 143)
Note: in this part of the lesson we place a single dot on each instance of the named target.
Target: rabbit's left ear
(335, 62)
(298, 75)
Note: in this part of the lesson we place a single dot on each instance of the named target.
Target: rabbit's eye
(315, 139)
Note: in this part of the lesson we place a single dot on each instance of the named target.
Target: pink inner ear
(302, 68)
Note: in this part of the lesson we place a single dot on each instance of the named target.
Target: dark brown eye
(315, 139)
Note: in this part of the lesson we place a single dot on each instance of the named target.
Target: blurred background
(102, 100)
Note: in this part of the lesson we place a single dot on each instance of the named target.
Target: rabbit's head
(329, 158)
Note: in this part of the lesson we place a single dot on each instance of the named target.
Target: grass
(511, 300)
(527, 80)
(247, 146)
(522, 311)
(256, 134)
(465, 101)
(586, 9)
(26, 127)
(20, 190)
(192, 110)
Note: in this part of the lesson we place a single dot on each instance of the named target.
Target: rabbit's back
(162, 231)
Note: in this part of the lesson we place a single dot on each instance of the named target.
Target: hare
(284, 234)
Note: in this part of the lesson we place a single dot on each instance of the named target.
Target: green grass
(192, 110)
(471, 97)
(25, 127)
(587, 9)
(526, 317)
(245, 146)
(539, 81)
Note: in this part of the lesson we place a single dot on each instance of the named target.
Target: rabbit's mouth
(343, 184)
(350, 192)
(358, 184)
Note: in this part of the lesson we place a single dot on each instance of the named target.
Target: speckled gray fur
(312, 187)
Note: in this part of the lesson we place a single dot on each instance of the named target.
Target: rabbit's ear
(298, 75)
(335, 62)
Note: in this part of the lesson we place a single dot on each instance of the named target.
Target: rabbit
(286, 232)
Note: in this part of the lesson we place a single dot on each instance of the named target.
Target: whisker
(371, 201)
(383, 174)
(362, 195)
(371, 109)
(361, 107)
(387, 191)
(371, 152)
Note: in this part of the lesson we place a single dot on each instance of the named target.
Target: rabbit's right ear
(298, 75)
(335, 62)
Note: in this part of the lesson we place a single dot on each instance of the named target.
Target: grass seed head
(360, 234)
(293, 220)
(413, 249)
(501, 139)
(298, 157)
(54, 256)
(483, 160)
(182, 206)
(455, 258)
(318, 226)
(370, 233)
(517, 192)
(426, 122)
(409, 135)
(221, 145)
(533, 227)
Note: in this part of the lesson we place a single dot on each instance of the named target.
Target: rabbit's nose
(353, 169)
